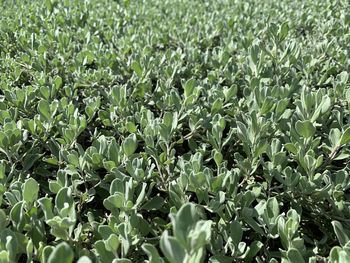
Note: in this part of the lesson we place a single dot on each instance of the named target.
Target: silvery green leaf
(184, 220)
(236, 232)
(137, 68)
(44, 110)
(130, 145)
(283, 31)
(152, 253)
(30, 190)
(294, 256)
(62, 253)
(84, 259)
(340, 233)
(305, 129)
(345, 137)
(172, 249)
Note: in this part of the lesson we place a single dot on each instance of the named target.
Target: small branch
(160, 173)
(331, 157)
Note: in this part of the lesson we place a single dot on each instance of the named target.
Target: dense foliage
(174, 131)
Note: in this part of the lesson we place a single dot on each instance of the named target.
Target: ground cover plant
(174, 131)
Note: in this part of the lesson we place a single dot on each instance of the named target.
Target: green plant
(174, 131)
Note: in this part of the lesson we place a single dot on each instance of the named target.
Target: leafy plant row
(174, 131)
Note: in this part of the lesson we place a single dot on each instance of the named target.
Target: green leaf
(84, 259)
(171, 248)
(283, 31)
(130, 145)
(65, 203)
(272, 210)
(344, 256)
(305, 129)
(62, 253)
(73, 159)
(30, 190)
(135, 66)
(323, 108)
(236, 232)
(4, 257)
(200, 235)
(49, 5)
(340, 233)
(46, 253)
(334, 136)
(291, 147)
(45, 91)
(345, 137)
(2, 170)
(152, 253)
(168, 119)
(334, 254)
(184, 220)
(44, 110)
(112, 243)
(29, 160)
(58, 82)
(216, 106)
(254, 56)
(104, 255)
(114, 201)
(344, 77)
(253, 249)
(131, 127)
(218, 157)
(294, 256)
(46, 205)
(248, 218)
(3, 220)
(189, 87)
(154, 204)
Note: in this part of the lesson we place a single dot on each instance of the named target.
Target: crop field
(174, 131)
